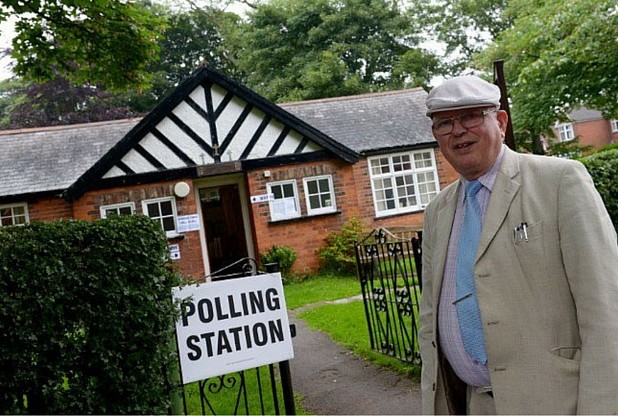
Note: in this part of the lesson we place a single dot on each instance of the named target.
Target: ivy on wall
(86, 318)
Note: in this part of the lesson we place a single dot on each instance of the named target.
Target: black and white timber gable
(209, 125)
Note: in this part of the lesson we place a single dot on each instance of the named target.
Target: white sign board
(262, 198)
(232, 325)
(174, 251)
(188, 223)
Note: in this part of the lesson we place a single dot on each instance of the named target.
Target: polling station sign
(232, 325)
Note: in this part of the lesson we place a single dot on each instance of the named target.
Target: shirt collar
(489, 178)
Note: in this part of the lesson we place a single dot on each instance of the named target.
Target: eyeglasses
(468, 120)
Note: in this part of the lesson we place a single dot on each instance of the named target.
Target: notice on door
(232, 325)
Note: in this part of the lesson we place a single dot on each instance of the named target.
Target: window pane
(124, 211)
(110, 211)
(314, 202)
(153, 210)
(168, 223)
(326, 200)
(423, 160)
(288, 190)
(312, 187)
(323, 185)
(166, 208)
(7, 221)
(277, 191)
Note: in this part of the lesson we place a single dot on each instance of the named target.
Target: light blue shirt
(471, 372)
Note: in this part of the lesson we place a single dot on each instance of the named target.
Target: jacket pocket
(569, 353)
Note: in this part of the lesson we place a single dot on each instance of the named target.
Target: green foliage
(338, 255)
(463, 26)
(322, 287)
(298, 50)
(284, 256)
(101, 42)
(346, 324)
(558, 55)
(603, 167)
(86, 317)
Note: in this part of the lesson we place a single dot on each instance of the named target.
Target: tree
(462, 27)
(190, 38)
(104, 42)
(297, 50)
(558, 56)
(31, 104)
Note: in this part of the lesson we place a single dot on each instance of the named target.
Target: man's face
(472, 151)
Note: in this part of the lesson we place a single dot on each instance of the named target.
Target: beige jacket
(549, 306)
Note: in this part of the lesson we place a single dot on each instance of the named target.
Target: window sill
(175, 236)
(304, 217)
(397, 214)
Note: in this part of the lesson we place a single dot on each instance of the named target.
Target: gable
(209, 120)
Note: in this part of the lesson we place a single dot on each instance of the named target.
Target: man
(519, 312)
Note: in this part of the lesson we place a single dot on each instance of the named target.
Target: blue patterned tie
(467, 307)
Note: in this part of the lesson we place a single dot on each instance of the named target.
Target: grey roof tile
(370, 122)
(52, 158)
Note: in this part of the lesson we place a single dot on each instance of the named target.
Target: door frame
(232, 179)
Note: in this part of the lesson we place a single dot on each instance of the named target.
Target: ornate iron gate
(389, 268)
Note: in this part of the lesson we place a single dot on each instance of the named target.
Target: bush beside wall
(86, 318)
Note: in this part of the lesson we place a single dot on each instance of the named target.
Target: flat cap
(462, 92)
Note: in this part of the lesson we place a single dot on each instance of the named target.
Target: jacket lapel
(505, 189)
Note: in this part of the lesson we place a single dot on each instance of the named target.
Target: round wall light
(181, 189)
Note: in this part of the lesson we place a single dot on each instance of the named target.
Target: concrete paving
(333, 381)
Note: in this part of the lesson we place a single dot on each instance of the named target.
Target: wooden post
(499, 80)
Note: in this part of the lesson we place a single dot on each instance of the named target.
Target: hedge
(603, 167)
(86, 318)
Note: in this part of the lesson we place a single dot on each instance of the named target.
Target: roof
(585, 114)
(50, 159)
(207, 120)
(370, 123)
(70, 158)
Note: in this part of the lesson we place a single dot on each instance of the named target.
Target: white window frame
(565, 132)
(172, 200)
(280, 207)
(104, 208)
(614, 124)
(331, 195)
(13, 216)
(424, 190)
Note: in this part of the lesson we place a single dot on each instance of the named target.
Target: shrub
(603, 167)
(339, 255)
(87, 318)
(284, 256)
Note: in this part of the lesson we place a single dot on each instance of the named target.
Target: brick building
(589, 127)
(228, 174)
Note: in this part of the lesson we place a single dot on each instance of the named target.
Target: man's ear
(503, 119)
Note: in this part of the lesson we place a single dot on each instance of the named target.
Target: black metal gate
(389, 268)
(265, 390)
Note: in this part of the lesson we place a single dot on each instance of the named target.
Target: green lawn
(345, 323)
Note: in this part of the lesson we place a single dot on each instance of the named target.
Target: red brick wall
(305, 235)
(49, 209)
(595, 133)
(353, 197)
(191, 261)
